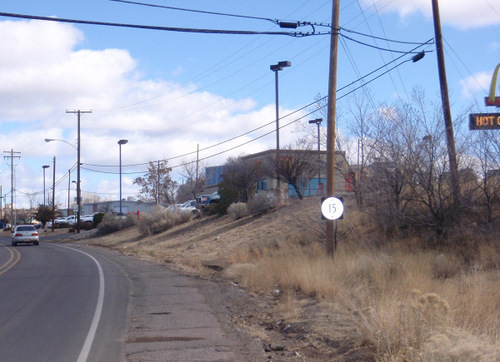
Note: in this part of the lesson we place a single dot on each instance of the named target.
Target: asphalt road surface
(67, 302)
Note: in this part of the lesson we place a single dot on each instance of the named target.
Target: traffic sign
(484, 121)
(332, 208)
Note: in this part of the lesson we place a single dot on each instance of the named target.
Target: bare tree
(90, 197)
(242, 175)
(414, 186)
(487, 151)
(157, 185)
(296, 166)
(194, 180)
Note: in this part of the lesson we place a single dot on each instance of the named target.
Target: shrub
(83, 226)
(210, 209)
(161, 220)
(111, 223)
(261, 203)
(97, 218)
(238, 210)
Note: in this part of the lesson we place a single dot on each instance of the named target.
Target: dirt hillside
(203, 248)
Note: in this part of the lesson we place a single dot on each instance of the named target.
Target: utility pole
(455, 183)
(197, 166)
(12, 154)
(332, 103)
(158, 184)
(54, 194)
(78, 112)
(1, 203)
(69, 189)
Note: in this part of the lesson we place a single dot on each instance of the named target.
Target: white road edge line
(84, 354)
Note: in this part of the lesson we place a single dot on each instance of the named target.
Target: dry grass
(408, 302)
(397, 299)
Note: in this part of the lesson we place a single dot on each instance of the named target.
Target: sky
(171, 93)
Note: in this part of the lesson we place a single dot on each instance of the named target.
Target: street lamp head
(122, 142)
(55, 139)
(284, 64)
(316, 121)
(45, 166)
(280, 65)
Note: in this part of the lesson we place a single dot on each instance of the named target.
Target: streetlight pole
(78, 186)
(120, 143)
(53, 193)
(69, 189)
(44, 167)
(69, 172)
(318, 121)
(276, 68)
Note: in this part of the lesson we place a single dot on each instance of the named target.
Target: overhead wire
(285, 116)
(160, 28)
(274, 33)
(281, 23)
(449, 50)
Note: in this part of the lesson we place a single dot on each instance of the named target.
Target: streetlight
(318, 121)
(276, 68)
(44, 167)
(120, 143)
(77, 148)
(58, 140)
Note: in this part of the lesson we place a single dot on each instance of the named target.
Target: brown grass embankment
(387, 299)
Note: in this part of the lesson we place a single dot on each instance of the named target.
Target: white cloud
(462, 14)
(479, 82)
(43, 73)
(494, 46)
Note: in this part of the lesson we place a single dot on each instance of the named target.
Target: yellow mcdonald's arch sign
(492, 100)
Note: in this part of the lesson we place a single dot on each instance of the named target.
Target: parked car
(87, 218)
(189, 206)
(71, 220)
(205, 200)
(25, 234)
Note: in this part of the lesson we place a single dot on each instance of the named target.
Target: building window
(213, 175)
(262, 185)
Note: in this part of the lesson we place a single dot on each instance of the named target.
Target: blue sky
(169, 92)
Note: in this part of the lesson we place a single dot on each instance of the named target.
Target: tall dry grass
(409, 302)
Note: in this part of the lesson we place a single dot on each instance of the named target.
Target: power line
(381, 38)
(281, 23)
(267, 124)
(377, 47)
(162, 28)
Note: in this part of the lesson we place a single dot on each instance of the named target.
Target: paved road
(60, 304)
(50, 297)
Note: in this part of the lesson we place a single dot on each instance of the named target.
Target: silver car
(25, 234)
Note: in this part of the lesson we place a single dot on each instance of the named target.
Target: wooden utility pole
(11, 155)
(450, 138)
(69, 190)
(158, 183)
(332, 103)
(54, 194)
(78, 112)
(1, 203)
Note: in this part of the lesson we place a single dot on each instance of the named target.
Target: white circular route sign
(332, 208)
